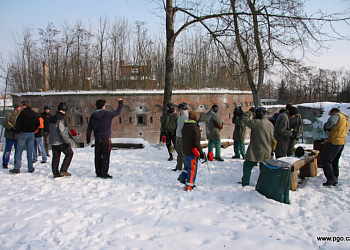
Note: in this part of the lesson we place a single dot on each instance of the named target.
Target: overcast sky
(16, 14)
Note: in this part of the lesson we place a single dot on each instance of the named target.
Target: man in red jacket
(100, 122)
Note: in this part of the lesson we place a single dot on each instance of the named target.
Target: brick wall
(140, 117)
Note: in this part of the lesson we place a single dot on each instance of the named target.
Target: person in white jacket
(181, 161)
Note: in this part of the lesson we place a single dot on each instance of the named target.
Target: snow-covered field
(145, 207)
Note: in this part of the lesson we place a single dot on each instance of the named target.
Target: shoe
(175, 169)
(4, 166)
(181, 180)
(48, 155)
(31, 171)
(107, 177)
(57, 175)
(43, 162)
(34, 162)
(170, 158)
(189, 188)
(65, 173)
(15, 171)
(329, 184)
(236, 157)
(219, 159)
(239, 182)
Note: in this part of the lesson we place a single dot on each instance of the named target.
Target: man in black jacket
(59, 140)
(26, 124)
(100, 122)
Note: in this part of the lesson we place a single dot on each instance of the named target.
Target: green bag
(274, 180)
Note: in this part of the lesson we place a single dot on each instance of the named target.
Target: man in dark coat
(10, 133)
(46, 131)
(213, 127)
(191, 136)
(283, 131)
(261, 138)
(59, 141)
(100, 122)
(26, 124)
(238, 133)
(168, 128)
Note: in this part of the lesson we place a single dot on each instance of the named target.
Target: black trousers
(330, 161)
(170, 138)
(102, 155)
(56, 156)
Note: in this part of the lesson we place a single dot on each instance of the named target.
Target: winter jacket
(59, 133)
(9, 123)
(101, 123)
(39, 130)
(213, 125)
(169, 122)
(261, 138)
(296, 124)
(27, 121)
(46, 117)
(191, 135)
(339, 126)
(180, 123)
(240, 128)
(282, 133)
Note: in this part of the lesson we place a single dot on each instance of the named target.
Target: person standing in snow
(101, 122)
(238, 133)
(296, 126)
(10, 134)
(46, 131)
(38, 143)
(261, 138)
(27, 122)
(192, 149)
(283, 131)
(168, 128)
(338, 125)
(213, 126)
(59, 141)
(179, 148)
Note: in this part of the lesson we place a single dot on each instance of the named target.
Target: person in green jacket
(11, 135)
(213, 126)
(168, 128)
(261, 138)
(296, 125)
(238, 133)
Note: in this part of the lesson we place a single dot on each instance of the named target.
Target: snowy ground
(145, 207)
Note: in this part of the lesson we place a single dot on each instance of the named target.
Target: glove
(253, 109)
(210, 156)
(13, 129)
(195, 152)
(163, 138)
(201, 155)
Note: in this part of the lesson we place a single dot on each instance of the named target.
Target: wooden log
(309, 170)
(293, 180)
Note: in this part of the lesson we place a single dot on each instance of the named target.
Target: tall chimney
(46, 77)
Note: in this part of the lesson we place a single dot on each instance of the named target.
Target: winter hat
(193, 115)
(62, 106)
(215, 108)
(293, 111)
(17, 104)
(46, 107)
(183, 106)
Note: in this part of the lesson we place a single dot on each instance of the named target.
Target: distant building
(142, 111)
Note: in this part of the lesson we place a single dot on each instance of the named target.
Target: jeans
(46, 136)
(38, 143)
(56, 155)
(25, 139)
(7, 151)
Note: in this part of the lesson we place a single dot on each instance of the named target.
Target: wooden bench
(224, 144)
(308, 168)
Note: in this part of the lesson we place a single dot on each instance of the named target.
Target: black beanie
(293, 111)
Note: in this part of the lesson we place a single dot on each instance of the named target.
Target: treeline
(314, 85)
(83, 57)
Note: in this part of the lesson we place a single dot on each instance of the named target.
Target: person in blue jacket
(100, 122)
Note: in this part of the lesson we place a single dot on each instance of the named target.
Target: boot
(15, 171)
(65, 173)
(171, 158)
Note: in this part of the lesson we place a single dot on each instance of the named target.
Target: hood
(98, 113)
(193, 115)
(346, 116)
